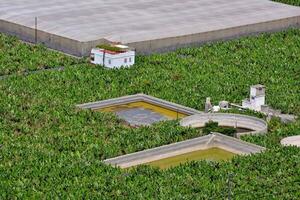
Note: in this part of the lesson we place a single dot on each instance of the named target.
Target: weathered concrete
(201, 143)
(258, 126)
(291, 141)
(136, 98)
(148, 25)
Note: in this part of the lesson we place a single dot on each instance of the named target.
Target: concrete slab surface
(140, 116)
(134, 22)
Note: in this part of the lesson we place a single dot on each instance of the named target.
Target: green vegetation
(291, 2)
(109, 47)
(212, 126)
(211, 154)
(18, 57)
(50, 148)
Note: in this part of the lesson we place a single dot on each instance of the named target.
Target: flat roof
(134, 21)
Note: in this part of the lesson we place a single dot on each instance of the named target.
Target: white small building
(257, 98)
(124, 56)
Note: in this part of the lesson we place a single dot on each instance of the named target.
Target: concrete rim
(291, 141)
(200, 143)
(258, 126)
(139, 97)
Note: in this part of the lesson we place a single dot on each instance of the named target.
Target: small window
(130, 60)
(109, 61)
(92, 57)
(125, 60)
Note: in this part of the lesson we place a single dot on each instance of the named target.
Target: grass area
(291, 2)
(18, 57)
(48, 147)
(109, 47)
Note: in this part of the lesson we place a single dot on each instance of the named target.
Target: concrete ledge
(225, 119)
(57, 42)
(159, 45)
(172, 43)
(205, 142)
(139, 97)
(291, 141)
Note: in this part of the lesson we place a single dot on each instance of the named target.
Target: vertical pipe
(35, 29)
(103, 57)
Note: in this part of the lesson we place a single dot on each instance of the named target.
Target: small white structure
(224, 105)
(216, 108)
(113, 59)
(257, 98)
(208, 105)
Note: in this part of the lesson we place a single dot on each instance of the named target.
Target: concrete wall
(52, 41)
(136, 98)
(169, 44)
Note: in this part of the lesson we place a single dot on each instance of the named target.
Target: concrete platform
(75, 26)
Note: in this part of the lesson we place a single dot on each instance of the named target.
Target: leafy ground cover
(50, 148)
(18, 57)
(212, 126)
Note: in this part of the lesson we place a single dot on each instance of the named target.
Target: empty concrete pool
(141, 109)
(212, 154)
(214, 147)
(143, 113)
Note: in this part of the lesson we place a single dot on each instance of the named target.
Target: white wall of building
(258, 102)
(257, 98)
(112, 60)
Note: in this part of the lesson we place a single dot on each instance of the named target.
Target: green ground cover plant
(212, 126)
(291, 2)
(109, 47)
(18, 57)
(51, 149)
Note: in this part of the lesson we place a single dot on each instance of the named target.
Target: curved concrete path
(291, 141)
(258, 126)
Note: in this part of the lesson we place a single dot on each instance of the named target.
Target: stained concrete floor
(142, 20)
(140, 116)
